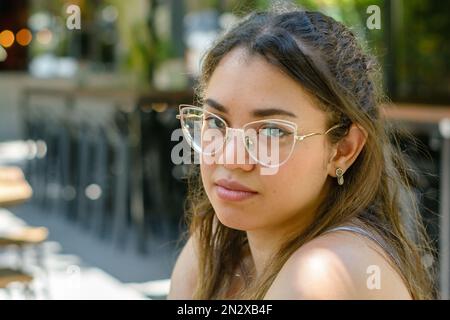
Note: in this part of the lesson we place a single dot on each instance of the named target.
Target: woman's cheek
(299, 176)
(206, 172)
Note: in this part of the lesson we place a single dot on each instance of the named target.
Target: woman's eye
(214, 123)
(273, 132)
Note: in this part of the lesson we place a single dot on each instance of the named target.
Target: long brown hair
(325, 58)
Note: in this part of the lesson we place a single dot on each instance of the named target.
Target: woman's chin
(235, 220)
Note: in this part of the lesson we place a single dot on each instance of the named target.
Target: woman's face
(288, 198)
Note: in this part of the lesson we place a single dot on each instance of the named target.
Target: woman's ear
(347, 149)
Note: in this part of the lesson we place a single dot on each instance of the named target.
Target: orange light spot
(23, 37)
(6, 38)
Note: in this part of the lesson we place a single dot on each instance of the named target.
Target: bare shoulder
(338, 265)
(184, 274)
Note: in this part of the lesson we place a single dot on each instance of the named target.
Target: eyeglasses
(269, 142)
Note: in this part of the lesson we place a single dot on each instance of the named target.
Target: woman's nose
(235, 156)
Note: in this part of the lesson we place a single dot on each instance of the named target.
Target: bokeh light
(6, 38)
(24, 37)
(44, 36)
(110, 14)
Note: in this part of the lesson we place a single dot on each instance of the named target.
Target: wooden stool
(14, 189)
(26, 236)
(11, 174)
(9, 276)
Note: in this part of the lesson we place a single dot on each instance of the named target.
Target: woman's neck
(264, 244)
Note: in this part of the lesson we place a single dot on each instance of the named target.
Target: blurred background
(88, 96)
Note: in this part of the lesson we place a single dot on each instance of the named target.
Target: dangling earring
(340, 176)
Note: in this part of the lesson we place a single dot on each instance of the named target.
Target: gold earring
(340, 176)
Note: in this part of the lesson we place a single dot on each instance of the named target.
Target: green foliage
(424, 56)
(412, 45)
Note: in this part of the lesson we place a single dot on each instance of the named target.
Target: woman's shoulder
(338, 265)
(185, 272)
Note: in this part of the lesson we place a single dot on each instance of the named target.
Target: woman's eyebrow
(216, 105)
(272, 112)
(256, 113)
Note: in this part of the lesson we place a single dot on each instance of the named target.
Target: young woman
(337, 219)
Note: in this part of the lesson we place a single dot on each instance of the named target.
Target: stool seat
(11, 174)
(14, 193)
(14, 189)
(25, 236)
(8, 276)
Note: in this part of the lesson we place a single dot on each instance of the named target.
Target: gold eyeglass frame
(293, 125)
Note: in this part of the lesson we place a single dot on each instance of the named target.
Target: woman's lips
(233, 191)
(233, 195)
